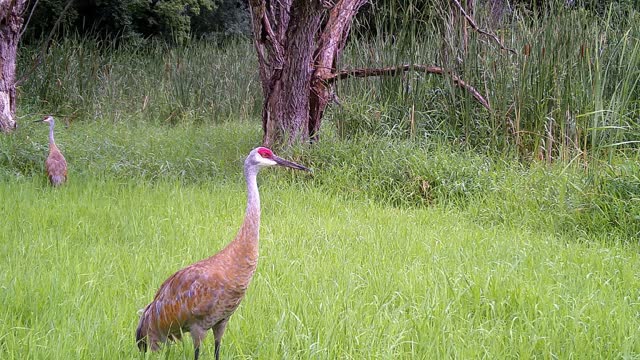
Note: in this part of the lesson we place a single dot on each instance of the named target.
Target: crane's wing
(185, 297)
(56, 167)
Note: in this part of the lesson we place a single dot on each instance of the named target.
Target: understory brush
(584, 201)
(598, 200)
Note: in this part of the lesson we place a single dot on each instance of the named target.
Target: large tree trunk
(10, 26)
(298, 44)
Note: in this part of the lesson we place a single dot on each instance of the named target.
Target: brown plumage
(55, 164)
(203, 296)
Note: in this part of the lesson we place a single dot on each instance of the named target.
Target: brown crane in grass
(55, 164)
(203, 296)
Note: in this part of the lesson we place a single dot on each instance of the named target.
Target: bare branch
(476, 28)
(394, 70)
(24, 28)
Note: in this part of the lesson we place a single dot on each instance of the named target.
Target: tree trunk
(10, 26)
(298, 43)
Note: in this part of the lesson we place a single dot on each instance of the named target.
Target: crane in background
(55, 165)
(204, 295)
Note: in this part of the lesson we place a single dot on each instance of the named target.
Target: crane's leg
(197, 334)
(218, 331)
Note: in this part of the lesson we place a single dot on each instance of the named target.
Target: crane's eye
(265, 153)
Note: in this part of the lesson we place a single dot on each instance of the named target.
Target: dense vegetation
(571, 100)
(173, 21)
(430, 228)
(388, 250)
(583, 201)
(564, 94)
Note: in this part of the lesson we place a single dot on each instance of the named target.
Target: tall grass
(83, 79)
(570, 89)
(601, 200)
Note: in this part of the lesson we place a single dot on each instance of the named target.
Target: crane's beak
(41, 120)
(290, 164)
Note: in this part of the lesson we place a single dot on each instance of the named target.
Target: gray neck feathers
(253, 197)
(51, 133)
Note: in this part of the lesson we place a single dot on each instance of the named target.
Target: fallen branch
(477, 28)
(394, 70)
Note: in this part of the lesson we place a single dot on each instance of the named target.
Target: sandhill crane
(55, 164)
(203, 296)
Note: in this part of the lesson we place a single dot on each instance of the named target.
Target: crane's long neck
(251, 222)
(51, 142)
(243, 250)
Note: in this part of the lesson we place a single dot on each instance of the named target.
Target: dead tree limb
(477, 28)
(330, 44)
(394, 70)
(11, 22)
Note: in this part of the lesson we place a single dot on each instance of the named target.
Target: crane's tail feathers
(141, 334)
(57, 180)
(141, 339)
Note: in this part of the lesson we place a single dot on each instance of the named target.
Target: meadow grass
(421, 234)
(348, 279)
(601, 198)
(477, 266)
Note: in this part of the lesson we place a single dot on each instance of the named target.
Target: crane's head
(262, 157)
(47, 119)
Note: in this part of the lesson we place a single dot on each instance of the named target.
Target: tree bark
(330, 46)
(298, 43)
(10, 25)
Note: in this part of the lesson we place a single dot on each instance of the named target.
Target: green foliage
(42, 19)
(174, 17)
(350, 278)
(570, 89)
(231, 17)
(594, 202)
(113, 19)
(86, 80)
(602, 201)
(109, 18)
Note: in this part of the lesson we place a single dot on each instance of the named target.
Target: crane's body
(204, 295)
(55, 165)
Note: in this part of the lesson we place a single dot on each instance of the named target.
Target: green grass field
(340, 276)
(430, 228)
